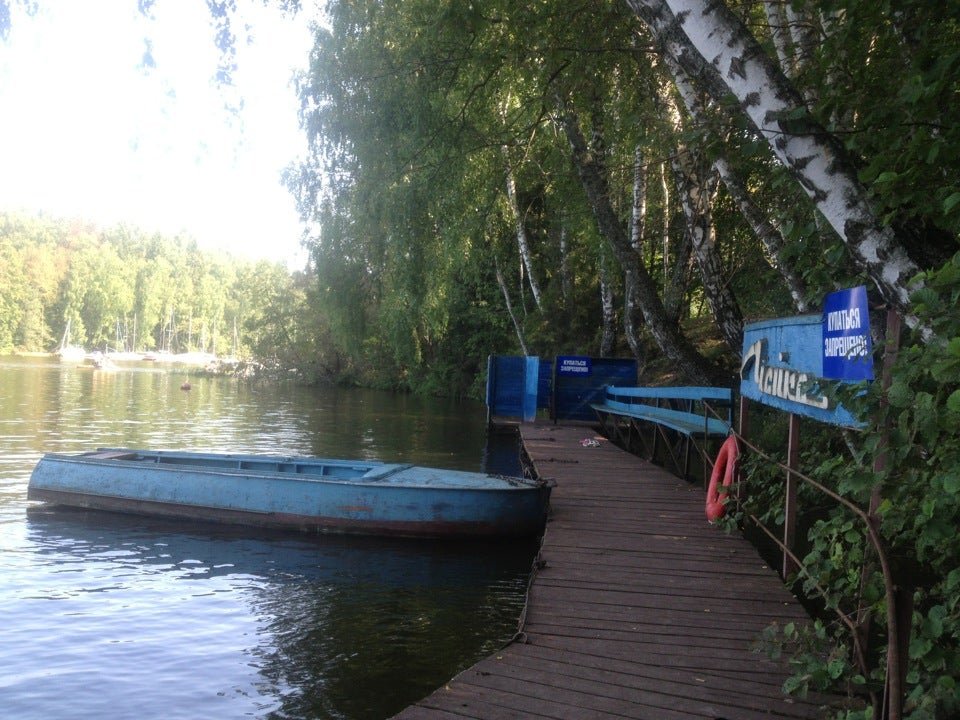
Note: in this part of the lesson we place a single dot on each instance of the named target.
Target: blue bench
(683, 417)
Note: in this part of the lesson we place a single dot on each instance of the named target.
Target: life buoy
(724, 466)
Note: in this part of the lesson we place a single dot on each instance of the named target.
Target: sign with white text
(781, 367)
(574, 365)
(847, 349)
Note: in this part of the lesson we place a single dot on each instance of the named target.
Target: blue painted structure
(515, 390)
(573, 395)
(782, 366)
(635, 402)
(310, 494)
(680, 416)
(512, 389)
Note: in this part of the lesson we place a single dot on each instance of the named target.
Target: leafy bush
(917, 425)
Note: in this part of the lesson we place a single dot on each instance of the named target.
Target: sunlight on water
(124, 617)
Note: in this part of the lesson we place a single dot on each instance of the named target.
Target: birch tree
(638, 223)
(520, 228)
(758, 219)
(608, 333)
(696, 186)
(713, 45)
(646, 302)
(517, 327)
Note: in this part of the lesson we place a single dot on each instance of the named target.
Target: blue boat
(313, 495)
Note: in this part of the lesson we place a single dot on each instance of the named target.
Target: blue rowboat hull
(309, 494)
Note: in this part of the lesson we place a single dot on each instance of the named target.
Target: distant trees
(121, 289)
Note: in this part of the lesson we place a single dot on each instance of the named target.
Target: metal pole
(744, 425)
(790, 495)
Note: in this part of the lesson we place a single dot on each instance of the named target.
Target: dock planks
(639, 609)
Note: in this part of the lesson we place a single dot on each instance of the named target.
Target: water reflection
(57, 407)
(120, 617)
(280, 626)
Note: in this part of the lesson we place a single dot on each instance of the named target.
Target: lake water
(109, 616)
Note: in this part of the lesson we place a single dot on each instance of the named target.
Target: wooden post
(790, 495)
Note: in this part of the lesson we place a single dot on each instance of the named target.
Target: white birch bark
(638, 214)
(522, 244)
(506, 298)
(780, 32)
(770, 236)
(803, 29)
(665, 189)
(608, 335)
(713, 45)
(644, 298)
(696, 187)
(803, 33)
(566, 280)
(638, 222)
(677, 279)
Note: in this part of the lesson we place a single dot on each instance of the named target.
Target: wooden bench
(683, 417)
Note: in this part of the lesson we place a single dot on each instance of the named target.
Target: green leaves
(951, 201)
(123, 289)
(953, 402)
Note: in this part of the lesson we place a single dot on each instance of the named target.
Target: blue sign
(781, 367)
(847, 350)
(574, 365)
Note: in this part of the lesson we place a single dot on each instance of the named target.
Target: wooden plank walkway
(640, 608)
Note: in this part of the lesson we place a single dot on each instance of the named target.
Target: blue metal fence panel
(506, 385)
(531, 387)
(545, 384)
(517, 386)
(573, 393)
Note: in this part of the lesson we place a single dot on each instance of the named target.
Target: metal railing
(898, 601)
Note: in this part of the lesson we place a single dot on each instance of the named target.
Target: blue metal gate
(518, 386)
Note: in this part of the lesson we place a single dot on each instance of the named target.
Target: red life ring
(725, 465)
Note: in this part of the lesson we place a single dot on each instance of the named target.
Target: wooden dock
(639, 609)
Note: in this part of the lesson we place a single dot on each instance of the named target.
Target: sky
(86, 131)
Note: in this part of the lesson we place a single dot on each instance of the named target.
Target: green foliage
(418, 112)
(905, 53)
(916, 424)
(120, 289)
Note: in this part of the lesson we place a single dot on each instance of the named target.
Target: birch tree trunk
(665, 189)
(780, 32)
(696, 186)
(638, 214)
(770, 236)
(566, 279)
(506, 298)
(632, 320)
(644, 301)
(677, 280)
(692, 30)
(803, 33)
(608, 336)
(638, 223)
(521, 230)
